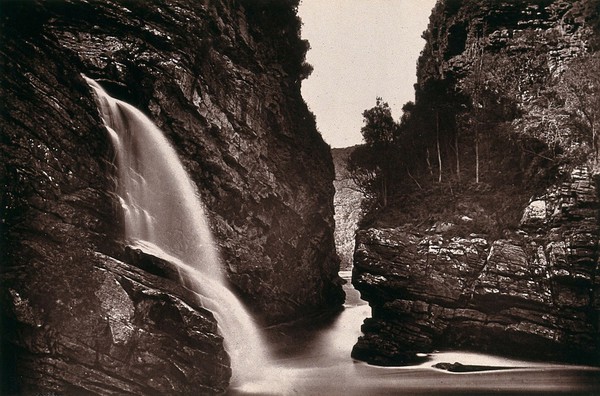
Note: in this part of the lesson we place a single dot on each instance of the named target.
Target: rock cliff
(222, 80)
(532, 290)
(347, 203)
(548, 32)
(532, 295)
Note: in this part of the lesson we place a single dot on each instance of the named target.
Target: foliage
(565, 114)
(580, 90)
(380, 128)
(491, 124)
(372, 165)
(493, 88)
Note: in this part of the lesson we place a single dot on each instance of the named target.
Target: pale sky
(360, 49)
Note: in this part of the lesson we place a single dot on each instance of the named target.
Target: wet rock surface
(533, 295)
(222, 80)
(134, 333)
(75, 321)
(457, 367)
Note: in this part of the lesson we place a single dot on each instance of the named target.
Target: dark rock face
(534, 292)
(532, 295)
(222, 80)
(134, 333)
(546, 31)
(76, 321)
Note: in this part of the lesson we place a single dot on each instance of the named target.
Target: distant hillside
(347, 202)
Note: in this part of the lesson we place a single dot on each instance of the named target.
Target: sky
(360, 49)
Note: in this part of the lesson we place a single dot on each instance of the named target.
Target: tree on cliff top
(588, 13)
(580, 89)
(372, 165)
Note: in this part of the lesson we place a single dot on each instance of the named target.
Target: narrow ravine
(347, 202)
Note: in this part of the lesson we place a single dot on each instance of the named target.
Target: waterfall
(165, 217)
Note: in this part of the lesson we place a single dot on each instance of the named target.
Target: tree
(580, 89)
(380, 128)
(364, 171)
(493, 88)
(373, 164)
(438, 102)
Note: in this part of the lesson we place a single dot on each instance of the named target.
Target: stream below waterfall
(165, 217)
(312, 357)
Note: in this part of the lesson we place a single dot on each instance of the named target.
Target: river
(312, 357)
(309, 357)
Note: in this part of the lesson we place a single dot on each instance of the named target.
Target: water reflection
(312, 357)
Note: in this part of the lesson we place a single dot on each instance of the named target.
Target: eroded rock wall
(534, 294)
(76, 321)
(548, 32)
(222, 80)
(531, 290)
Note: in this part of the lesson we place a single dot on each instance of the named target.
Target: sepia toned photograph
(299, 197)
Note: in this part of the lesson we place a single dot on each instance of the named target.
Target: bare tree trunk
(478, 111)
(595, 141)
(476, 155)
(429, 163)
(595, 146)
(439, 154)
(383, 191)
(457, 156)
(415, 180)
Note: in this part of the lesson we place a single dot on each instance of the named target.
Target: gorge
(81, 311)
(167, 221)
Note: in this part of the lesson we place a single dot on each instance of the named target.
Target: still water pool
(312, 357)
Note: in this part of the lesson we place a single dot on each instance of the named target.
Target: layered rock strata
(534, 294)
(347, 203)
(75, 321)
(222, 80)
(548, 32)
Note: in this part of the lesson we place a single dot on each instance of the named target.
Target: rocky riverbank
(534, 294)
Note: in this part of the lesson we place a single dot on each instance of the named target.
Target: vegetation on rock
(498, 112)
(488, 226)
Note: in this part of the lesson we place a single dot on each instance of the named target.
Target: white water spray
(164, 217)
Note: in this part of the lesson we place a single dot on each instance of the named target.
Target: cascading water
(164, 217)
